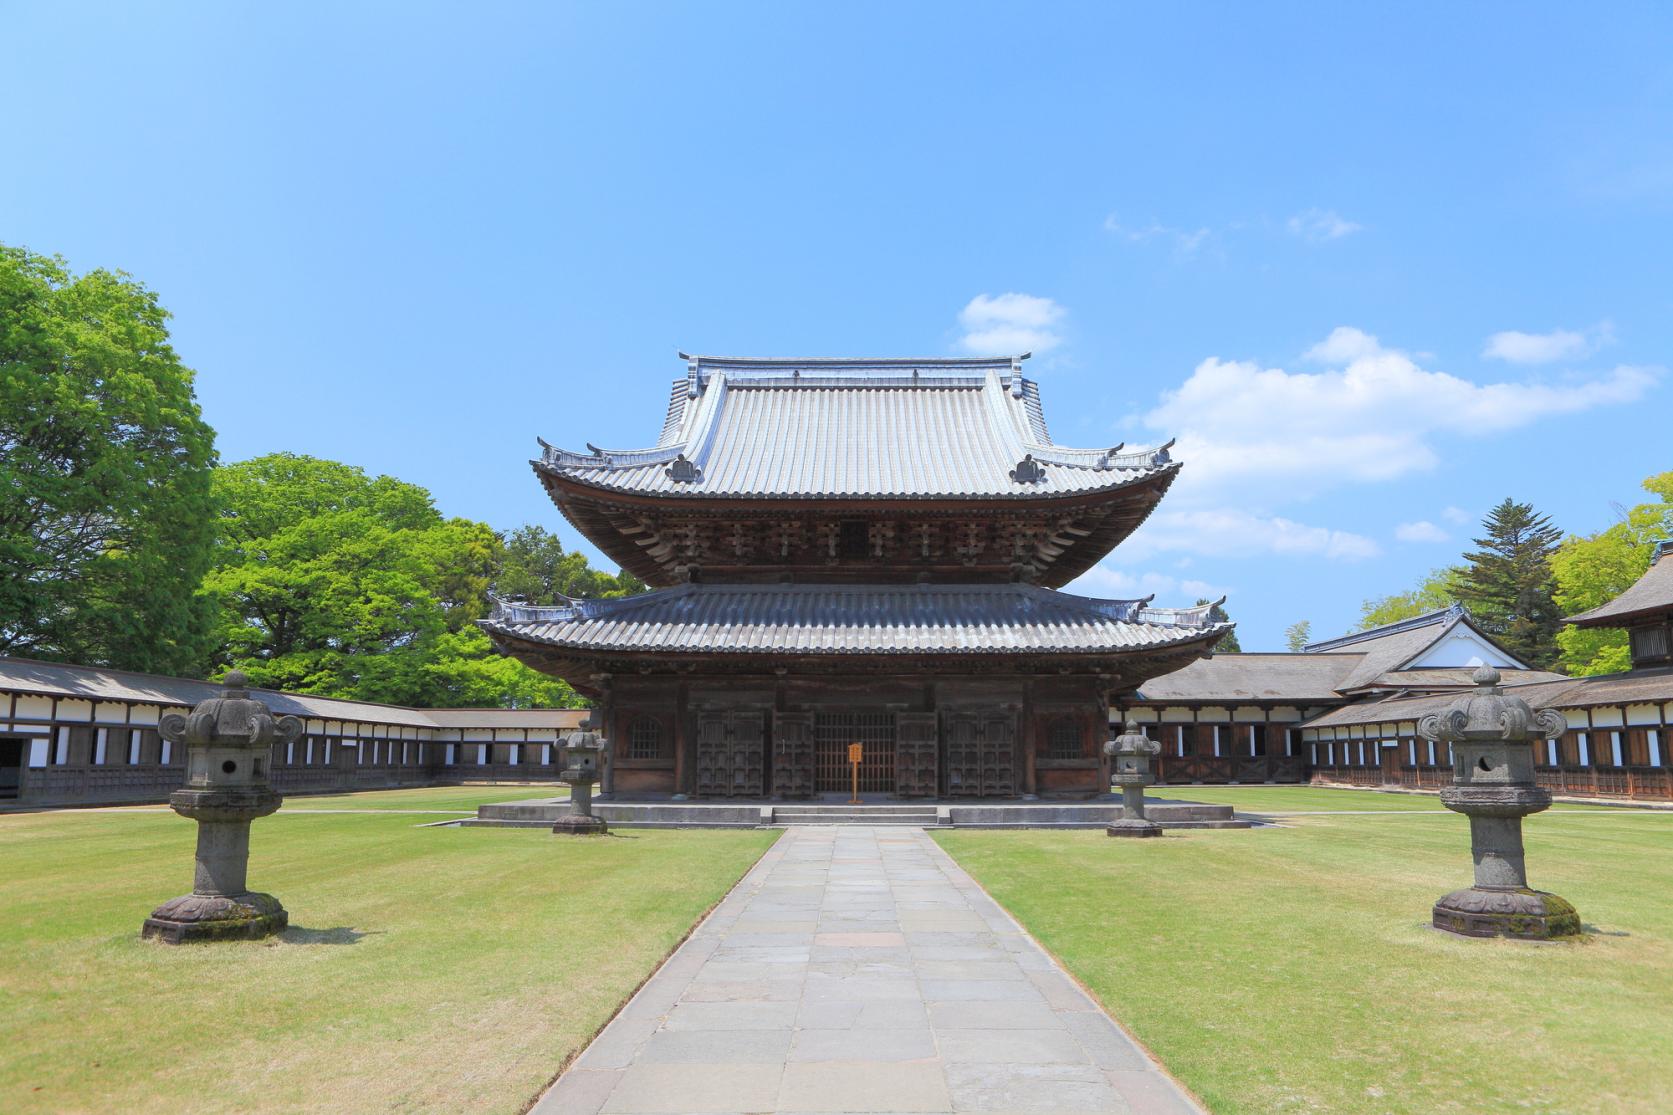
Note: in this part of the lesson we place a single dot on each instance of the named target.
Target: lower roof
(1632, 687)
(821, 619)
(97, 683)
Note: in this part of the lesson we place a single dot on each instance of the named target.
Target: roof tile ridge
(1004, 416)
(705, 420)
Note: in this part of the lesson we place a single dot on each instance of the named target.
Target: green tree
(534, 566)
(105, 514)
(1228, 642)
(1507, 582)
(333, 582)
(1437, 590)
(1297, 635)
(1595, 569)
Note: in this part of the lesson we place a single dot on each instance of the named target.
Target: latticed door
(874, 732)
(981, 754)
(792, 754)
(916, 748)
(730, 753)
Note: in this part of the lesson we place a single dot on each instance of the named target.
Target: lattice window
(1063, 738)
(644, 738)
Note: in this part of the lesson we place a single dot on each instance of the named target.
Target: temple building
(855, 551)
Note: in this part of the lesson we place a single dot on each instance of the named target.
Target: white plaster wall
(1463, 647)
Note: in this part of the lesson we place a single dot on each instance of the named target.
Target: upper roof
(896, 428)
(1650, 595)
(96, 683)
(816, 619)
(1399, 645)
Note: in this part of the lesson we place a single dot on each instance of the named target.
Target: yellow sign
(855, 751)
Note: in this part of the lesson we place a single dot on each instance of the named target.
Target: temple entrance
(11, 767)
(834, 731)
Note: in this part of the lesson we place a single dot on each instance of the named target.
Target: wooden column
(1026, 730)
(682, 741)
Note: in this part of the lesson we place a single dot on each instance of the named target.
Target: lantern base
(1132, 826)
(573, 824)
(1523, 915)
(208, 917)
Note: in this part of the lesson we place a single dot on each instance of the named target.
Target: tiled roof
(1635, 687)
(856, 619)
(1650, 594)
(855, 429)
(1302, 679)
(95, 683)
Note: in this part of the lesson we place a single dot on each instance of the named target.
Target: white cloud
(1117, 584)
(1319, 225)
(1455, 515)
(1187, 240)
(1545, 348)
(1421, 531)
(1250, 429)
(1344, 344)
(1224, 532)
(1004, 324)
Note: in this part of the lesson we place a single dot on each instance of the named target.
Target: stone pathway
(861, 970)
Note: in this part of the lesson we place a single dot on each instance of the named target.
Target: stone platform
(1095, 813)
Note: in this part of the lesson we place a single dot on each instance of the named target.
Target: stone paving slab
(859, 969)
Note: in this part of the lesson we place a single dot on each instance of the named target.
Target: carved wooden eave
(1044, 539)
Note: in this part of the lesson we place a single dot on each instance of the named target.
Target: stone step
(917, 818)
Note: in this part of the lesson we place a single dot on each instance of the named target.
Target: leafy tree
(105, 460)
(1595, 569)
(1507, 583)
(333, 582)
(534, 566)
(1297, 635)
(1228, 642)
(1437, 590)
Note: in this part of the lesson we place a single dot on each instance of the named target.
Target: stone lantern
(583, 762)
(1494, 786)
(1130, 754)
(228, 741)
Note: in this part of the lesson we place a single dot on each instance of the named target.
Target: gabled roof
(1648, 596)
(1394, 646)
(898, 428)
(819, 619)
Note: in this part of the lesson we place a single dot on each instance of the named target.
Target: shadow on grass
(341, 935)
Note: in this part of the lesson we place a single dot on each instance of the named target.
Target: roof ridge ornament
(682, 471)
(1028, 470)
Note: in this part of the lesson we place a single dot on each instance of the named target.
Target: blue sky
(1375, 271)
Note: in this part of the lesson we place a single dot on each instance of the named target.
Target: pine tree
(1228, 641)
(1507, 583)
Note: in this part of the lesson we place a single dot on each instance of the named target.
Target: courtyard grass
(426, 969)
(1292, 969)
(1261, 799)
(452, 799)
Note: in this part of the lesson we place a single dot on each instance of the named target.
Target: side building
(75, 735)
(1345, 711)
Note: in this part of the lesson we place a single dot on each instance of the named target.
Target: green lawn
(426, 970)
(1292, 969)
(454, 799)
(1310, 799)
